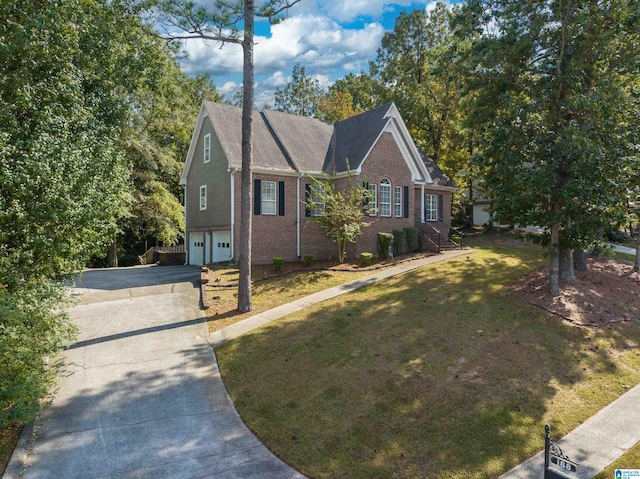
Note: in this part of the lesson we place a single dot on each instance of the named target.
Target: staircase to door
(435, 237)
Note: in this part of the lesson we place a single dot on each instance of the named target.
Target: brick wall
(385, 161)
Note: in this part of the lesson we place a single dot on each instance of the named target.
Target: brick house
(410, 190)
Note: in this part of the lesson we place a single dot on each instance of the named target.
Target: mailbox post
(553, 455)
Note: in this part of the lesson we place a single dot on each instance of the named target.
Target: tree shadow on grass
(424, 375)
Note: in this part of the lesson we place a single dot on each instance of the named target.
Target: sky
(330, 38)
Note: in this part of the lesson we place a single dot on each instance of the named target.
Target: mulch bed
(607, 293)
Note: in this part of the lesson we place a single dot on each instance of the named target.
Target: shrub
(385, 240)
(411, 237)
(308, 259)
(366, 258)
(277, 263)
(33, 328)
(398, 242)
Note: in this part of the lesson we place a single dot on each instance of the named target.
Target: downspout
(186, 239)
(233, 211)
(422, 205)
(299, 222)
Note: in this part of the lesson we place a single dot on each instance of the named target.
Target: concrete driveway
(140, 395)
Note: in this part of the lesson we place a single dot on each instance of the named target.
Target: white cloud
(228, 89)
(318, 43)
(277, 80)
(210, 57)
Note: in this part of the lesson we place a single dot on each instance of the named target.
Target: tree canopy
(70, 70)
(557, 117)
(417, 65)
(301, 96)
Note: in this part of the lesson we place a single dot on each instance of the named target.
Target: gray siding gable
(215, 175)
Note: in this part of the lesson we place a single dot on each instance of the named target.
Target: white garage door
(221, 246)
(196, 249)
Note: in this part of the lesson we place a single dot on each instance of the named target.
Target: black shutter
(307, 195)
(440, 208)
(365, 202)
(406, 201)
(257, 196)
(281, 198)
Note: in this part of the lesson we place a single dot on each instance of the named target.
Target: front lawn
(272, 289)
(439, 373)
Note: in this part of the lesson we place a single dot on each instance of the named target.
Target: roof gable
(357, 136)
(354, 138)
(305, 140)
(286, 143)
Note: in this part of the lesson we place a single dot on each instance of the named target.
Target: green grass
(270, 292)
(630, 460)
(438, 373)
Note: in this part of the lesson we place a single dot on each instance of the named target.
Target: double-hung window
(385, 197)
(268, 198)
(397, 201)
(207, 148)
(317, 195)
(203, 197)
(431, 208)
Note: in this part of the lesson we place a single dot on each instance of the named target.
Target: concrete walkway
(219, 337)
(594, 444)
(621, 249)
(141, 395)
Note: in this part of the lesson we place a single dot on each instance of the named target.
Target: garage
(221, 246)
(196, 248)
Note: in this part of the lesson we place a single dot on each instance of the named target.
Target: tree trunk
(246, 189)
(580, 260)
(567, 272)
(112, 255)
(597, 249)
(636, 263)
(554, 261)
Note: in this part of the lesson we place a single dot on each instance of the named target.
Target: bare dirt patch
(608, 293)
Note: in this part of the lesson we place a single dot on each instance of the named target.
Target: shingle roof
(437, 175)
(227, 123)
(354, 137)
(289, 143)
(305, 140)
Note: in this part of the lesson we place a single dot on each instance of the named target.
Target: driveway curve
(140, 395)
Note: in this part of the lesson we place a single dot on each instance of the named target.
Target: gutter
(299, 222)
(232, 177)
(184, 210)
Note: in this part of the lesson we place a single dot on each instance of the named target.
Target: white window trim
(374, 199)
(398, 194)
(203, 204)
(431, 207)
(385, 205)
(317, 195)
(207, 147)
(266, 202)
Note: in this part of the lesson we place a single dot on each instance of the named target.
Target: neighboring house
(410, 190)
